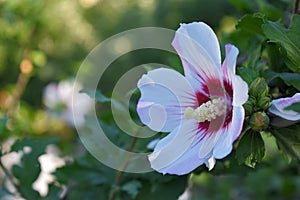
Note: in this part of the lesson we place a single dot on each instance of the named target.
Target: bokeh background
(42, 45)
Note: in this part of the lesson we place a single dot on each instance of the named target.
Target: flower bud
(264, 103)
(248, 106)
(259, 88)
(252, 100)
(259, 120)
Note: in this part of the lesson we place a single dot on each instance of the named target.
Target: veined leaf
(288, 38)
(247, 74)
(288, 140)
(291, 79)
(251, 149)
(251, 24)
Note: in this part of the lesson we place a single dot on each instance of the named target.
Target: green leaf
(271, 11)
(88, 177)
(251, 24)
(288, 38)
(291, 79)
(288, 140)
(80, 174)
(251, 149)
(53, 193)
(38, 145)
(158, 186)
(3, 121)
(276, 62)
(247, 74)
(96, 95)
(132, 188)
(295, 107)
(244, 5)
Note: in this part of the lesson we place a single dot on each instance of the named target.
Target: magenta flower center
(220, 110)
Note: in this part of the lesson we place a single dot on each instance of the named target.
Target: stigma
(207, 111)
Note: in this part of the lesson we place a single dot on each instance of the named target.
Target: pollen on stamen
(207, 111)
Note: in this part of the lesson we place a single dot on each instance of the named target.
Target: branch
(296, 7)
(121, 172)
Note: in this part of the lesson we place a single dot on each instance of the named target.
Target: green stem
(121, 171)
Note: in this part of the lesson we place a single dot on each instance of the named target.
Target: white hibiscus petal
(210, 163)
(240, 89)
(175, 145)
(169, 92)
(189, 160)
(205, 37)
(287, 114)
(198, 46)
(230, 60)
(185, 164)
(193, 78)
(224, 145)
(208, 143)
(155, 117)
(278, 107)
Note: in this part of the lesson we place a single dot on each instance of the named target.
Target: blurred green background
(45, 41)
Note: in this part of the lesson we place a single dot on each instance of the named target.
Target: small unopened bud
(248, 106)
(259, 88)
(252, 100)
(264, 103)
(259, 120)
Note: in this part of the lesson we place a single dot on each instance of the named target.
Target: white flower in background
(49, 161)
(278, 107)
(58, 99)
(282, 116)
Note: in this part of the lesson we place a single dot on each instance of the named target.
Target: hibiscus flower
(202, 110)
(285, 117)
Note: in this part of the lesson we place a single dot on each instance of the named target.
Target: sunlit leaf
(288, 38)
